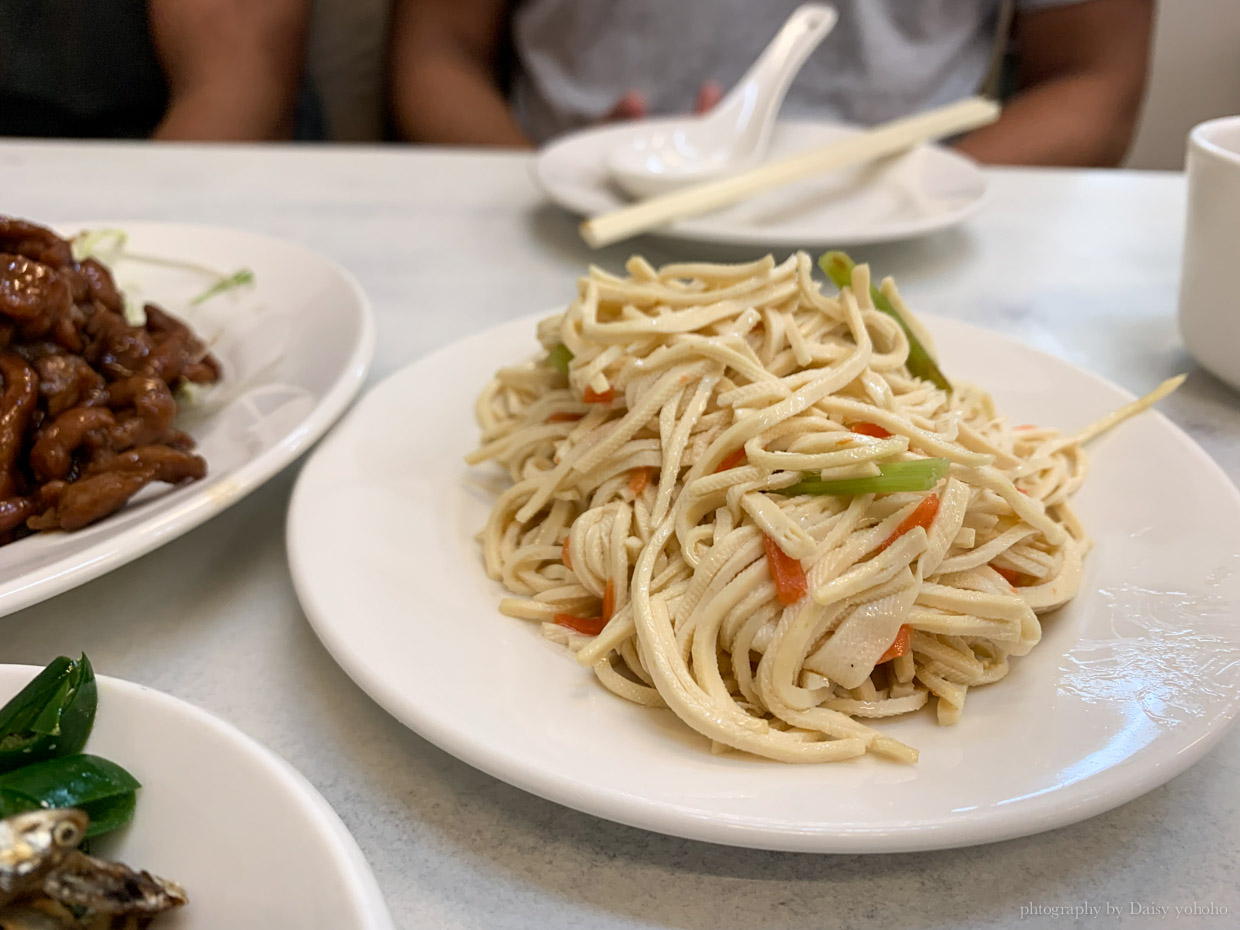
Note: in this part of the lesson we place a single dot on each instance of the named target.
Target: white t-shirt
(885, 58)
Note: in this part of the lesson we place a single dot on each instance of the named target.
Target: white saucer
(928, 189)
(252, 842)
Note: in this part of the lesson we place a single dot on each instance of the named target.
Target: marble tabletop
(1083, 264)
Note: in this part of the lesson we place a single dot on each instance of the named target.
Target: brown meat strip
(102, 493)
(179, 354)
(15, 511)
(34, 241)
(86, 500)
(114, 347)
(87, 428)
(163, 463)
(100, 286)
(153, 408)
(32, 293)
(67, 381)
(17, 408)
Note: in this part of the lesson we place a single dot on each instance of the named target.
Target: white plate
(295, 348)
(252, 842)
(928, 189)
(1131, 684)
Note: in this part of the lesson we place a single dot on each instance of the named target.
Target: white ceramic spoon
(735, 134)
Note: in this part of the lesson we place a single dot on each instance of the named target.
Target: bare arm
(233, 66)
(442, 73)
(1082, 73)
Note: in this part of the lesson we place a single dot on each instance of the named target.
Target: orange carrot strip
(923, 515)
(732, 460)
(899, 646)
(592, 396)
(638, 479)
(563, 416)
(870, 429)
(590, 626)
(790, 582)
(609, 600)
(1011, 576)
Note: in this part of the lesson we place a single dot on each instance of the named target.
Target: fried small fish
(34, 843)
(46, 883)
(84, 883)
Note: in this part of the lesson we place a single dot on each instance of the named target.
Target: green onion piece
(915, 475)
(236, 279)
(102, 789)
(559, 357)
(51, 716)
(839, 267)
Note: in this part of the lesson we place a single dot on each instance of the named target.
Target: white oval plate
(295, 348)
(928, 189)
(252, 842)
(1132, 682)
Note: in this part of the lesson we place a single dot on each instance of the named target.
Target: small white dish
(732, 137)
(251, 841)
(1132, 683)
(295, 348)
(925, 190)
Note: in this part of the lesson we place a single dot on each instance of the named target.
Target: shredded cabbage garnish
(110, 246)
(189, 394)
(238, 278)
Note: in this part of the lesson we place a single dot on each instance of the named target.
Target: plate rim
(1105, 790)
(352, 867)
(700, 229)
(198, 506)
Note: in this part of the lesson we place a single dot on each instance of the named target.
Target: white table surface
(1082, 264)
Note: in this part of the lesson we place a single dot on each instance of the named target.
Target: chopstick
(886, 139)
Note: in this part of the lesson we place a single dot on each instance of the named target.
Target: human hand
(633, 104)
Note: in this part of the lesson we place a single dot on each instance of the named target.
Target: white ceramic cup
(1210, 281)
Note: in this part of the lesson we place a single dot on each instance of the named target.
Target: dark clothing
(87, 69)
(78, 68)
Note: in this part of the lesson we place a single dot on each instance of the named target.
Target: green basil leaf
(13, 802)
(102, 789)
(109, 814)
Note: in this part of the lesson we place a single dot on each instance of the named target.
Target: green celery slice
(839, 267)
(559, 357)
(915, 475)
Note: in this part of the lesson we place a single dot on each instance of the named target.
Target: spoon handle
(752, 105)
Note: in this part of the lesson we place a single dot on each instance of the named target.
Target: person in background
(1079, 67)
(168, 69)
